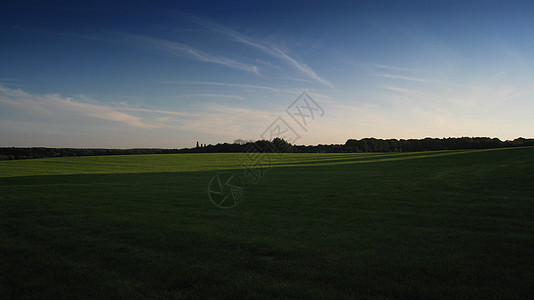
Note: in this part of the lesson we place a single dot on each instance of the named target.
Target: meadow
(441, 224)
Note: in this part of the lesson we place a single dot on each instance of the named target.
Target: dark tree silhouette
(280, 145)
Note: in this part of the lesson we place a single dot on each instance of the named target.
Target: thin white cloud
(390, 67)
(298, 79)
(301, 67)
(159, 44)
(499, 74)
(405, 78)
(165, 112)
(271, 50)
(223, 84)
(46, 113)
(213, 96)
(106, 113)
(186, 50)
(55, 107)
(409, 92)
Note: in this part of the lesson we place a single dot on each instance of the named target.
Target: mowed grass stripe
(198, 162)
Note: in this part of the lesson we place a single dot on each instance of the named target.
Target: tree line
(364, 145)
(280, 145)
(8, 153)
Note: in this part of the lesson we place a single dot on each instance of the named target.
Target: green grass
(448, 224)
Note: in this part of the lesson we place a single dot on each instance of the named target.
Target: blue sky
(166, 74)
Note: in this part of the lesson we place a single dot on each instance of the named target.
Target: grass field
(449, 224)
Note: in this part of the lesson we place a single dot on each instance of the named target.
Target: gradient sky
(165, 74)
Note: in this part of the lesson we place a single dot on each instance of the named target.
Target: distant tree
(281, 145)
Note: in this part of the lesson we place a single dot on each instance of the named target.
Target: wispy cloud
(409, 92)
(10, 82)
(223, 84)
(271, 50)
(171, 47)
(237, 97)
(221, 122)
(55, 107)
(180, 49)
(390, 67)
(300, 66)
(158, 111)
(405, 78)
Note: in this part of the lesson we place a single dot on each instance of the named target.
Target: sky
(166, 74)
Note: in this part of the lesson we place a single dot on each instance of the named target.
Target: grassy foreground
(448, 224)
